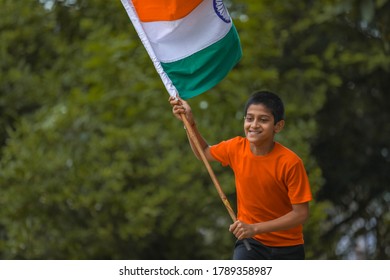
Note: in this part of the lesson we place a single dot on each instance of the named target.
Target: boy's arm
(205, 147)
(182, 109)
(297, 216)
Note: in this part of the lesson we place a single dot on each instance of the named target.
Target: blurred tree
(29, 48)
(353, 142)
(94, 166)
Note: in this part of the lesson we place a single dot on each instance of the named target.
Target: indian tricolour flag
(192, 43)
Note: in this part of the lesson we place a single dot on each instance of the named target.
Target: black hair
(270, 100)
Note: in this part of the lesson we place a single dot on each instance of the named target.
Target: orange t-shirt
(266, 186)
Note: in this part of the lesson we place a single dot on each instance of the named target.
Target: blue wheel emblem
(221, 10)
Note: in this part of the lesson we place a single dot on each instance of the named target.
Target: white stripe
(171, 41)
(128, 4)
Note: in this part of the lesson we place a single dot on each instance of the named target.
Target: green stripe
(201, 71)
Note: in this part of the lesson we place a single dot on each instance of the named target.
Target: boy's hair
(269, 100)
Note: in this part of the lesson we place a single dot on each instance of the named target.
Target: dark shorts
(262, 252)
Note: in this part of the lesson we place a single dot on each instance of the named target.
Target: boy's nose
(256, 123)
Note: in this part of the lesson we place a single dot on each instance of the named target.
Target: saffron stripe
(164, 10)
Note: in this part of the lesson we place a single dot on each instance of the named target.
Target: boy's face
(259, 125)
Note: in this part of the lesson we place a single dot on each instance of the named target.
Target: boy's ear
(279, 126)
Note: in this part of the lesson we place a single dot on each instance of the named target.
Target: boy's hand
(241, 230)
(179, 106)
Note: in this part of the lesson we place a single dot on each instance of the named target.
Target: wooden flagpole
(222, 195)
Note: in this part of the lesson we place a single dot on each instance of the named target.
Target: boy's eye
(252, 119)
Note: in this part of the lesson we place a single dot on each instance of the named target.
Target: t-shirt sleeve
(220, 152)
(298, 184)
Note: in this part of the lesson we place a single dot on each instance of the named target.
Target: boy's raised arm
(181, 109)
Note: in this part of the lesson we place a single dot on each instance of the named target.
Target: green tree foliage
(94, 166)
(352, 144)
(28, 49)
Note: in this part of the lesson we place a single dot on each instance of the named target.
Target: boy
(272, 186)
